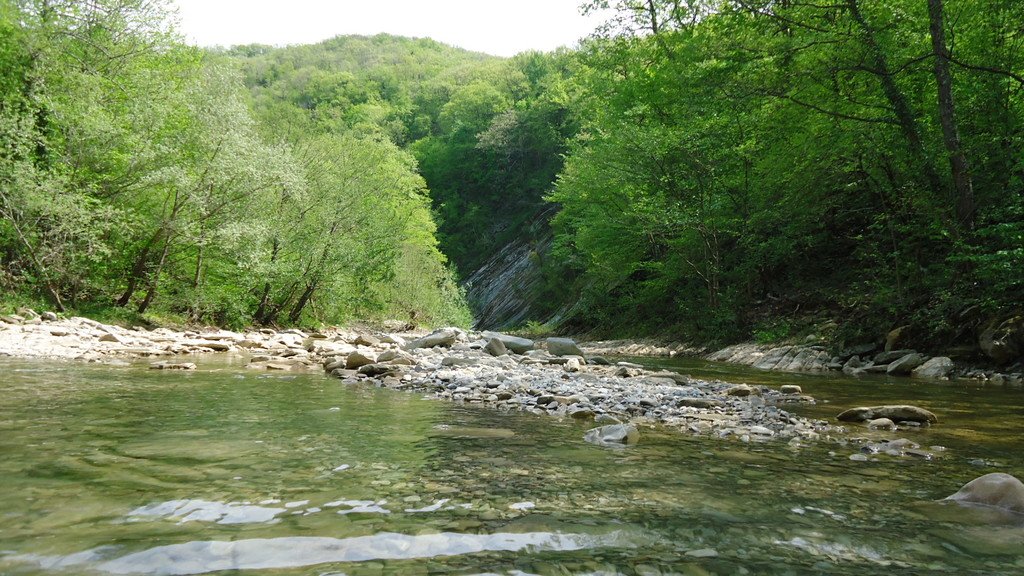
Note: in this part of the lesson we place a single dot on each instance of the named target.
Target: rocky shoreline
(553, 377)
(815, 357)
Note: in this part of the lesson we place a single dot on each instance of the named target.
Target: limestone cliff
(503, 290)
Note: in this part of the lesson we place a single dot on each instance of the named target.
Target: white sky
(499, 27)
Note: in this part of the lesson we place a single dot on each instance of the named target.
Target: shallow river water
(107, 470)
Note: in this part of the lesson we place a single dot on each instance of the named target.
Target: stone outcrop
(788, 358)
(502, 291)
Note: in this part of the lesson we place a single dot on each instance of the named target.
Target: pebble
(703, 553)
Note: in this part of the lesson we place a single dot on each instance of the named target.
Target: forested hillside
(717, 170)
(744, 164)
(136, 175)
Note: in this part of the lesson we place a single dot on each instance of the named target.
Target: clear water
(129, 471)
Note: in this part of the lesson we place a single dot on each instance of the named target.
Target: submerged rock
(997, 489)
(613, 435)
(172, 366)
(896, 413)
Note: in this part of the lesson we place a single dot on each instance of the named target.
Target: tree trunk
(962, 184)
(262, 310)
(296, 312)
(154, 279)
(138, 270)
(198, 276)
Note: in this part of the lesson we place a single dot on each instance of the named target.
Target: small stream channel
(123, 470)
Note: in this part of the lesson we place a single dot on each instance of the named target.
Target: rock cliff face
(503, 291)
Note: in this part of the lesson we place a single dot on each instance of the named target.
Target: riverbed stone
(882, 424)
(613, 435)
(366, 340)
(444, 337)
(700, 403)
(513, 343)
(742, 391)
(938, 367)
(791, 389)
(997, 489)
(891, 355)
(375, 369)
(571, 365)
(495, 347)
(854, 367)
(896, 413)
(905, 364)
(563, 347)
(358, 359)
(627, 372)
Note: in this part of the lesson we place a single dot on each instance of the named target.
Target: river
(123, 470)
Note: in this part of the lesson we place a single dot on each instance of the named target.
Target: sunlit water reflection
(130, 471)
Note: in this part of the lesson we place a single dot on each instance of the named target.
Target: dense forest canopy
(860, 160)
(137, 172)
(716, 169)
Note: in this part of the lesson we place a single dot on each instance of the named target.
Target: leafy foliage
(743, 156)
(135, 173)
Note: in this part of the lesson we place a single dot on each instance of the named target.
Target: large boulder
(563, 347)
(896, 413)
(905, 364)
(1003, 341)
(896, 338)
(513, 343)
(997, 489)
(938, 367)
(613, 435)
(443, 337)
